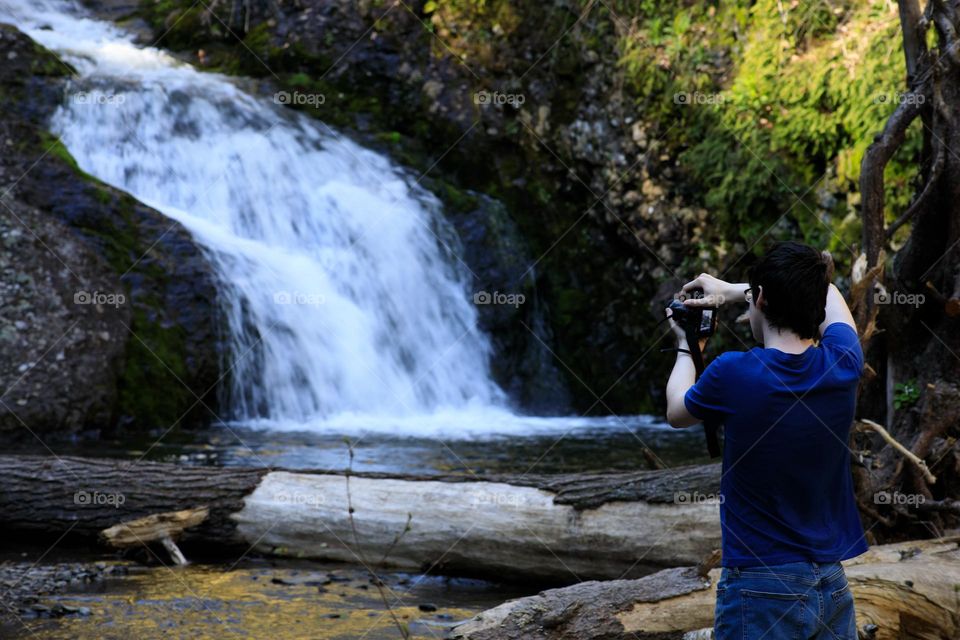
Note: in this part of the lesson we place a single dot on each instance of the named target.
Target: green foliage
(905, 394)
(778, 95)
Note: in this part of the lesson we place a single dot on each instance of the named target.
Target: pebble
(309, 580)
(30, 581)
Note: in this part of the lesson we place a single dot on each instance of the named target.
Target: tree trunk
(907, 590)
(559, 529)
(87, 495)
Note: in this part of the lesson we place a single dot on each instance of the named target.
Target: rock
(24, 580)
(102, 282)
(432, 89)
(497, 254)
(311, 580)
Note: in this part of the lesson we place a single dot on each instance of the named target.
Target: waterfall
(341, 288)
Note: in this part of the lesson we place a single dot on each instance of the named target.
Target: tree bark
(558, 529)
(88, 495)
(908, 590)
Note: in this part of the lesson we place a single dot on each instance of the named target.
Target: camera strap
(710, 428)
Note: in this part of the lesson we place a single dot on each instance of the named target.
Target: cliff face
(108, 316)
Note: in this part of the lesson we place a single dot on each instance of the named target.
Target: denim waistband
(808, 573)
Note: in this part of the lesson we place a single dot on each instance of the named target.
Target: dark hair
(794, 278)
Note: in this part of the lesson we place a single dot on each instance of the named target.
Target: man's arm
(836, 310)
(682, 377)
(716, 292)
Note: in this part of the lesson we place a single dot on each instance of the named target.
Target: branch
(920, 202)
(875, 161)
(909, 455)
(943, 17)
(914, 46)
(862, 280)
(948, 506)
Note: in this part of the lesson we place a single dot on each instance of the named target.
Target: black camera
(700, 322)
(697, 323)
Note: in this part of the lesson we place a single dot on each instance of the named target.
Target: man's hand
(716, 292)
(681, 334)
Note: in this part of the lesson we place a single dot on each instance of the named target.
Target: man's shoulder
(740, 358)
(729, 362)
(840, 332)
(842, 341)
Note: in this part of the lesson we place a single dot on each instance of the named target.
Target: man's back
(786, 481)
(788, 514)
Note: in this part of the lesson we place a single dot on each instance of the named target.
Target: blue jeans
(795, 601)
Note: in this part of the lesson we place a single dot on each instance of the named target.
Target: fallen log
(552, 528)
(904, 590)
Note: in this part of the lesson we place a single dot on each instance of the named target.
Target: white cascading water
(346, 305)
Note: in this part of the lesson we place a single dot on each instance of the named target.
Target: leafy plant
(905, 394)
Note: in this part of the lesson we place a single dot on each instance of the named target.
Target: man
(787, 512)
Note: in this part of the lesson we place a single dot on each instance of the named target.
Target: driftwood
(870, 425)
(560, 529)
(164, 528)
(905, 590)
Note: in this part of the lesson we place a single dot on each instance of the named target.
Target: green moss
(149, 386)
(48, 144)
(46, 63)
(453, 198)
(180, 23)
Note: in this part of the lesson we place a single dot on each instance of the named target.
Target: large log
(560, 528)
(905, 590)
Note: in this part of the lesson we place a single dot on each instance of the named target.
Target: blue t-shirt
(787, 492)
